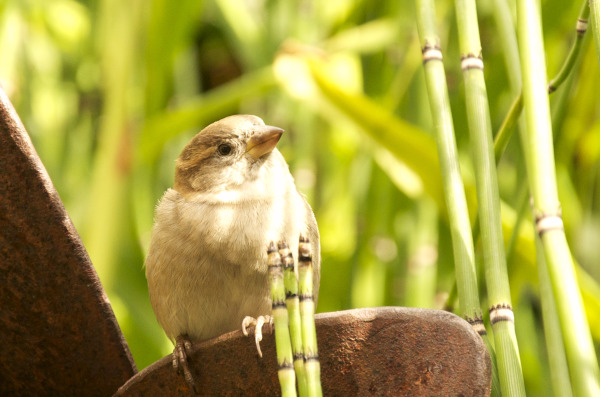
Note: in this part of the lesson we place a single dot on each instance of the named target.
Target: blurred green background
(111, 91)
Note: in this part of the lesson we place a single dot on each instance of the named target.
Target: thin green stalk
(496, 392)
(567, 66)
(507, 37)
(458, 218)
(454, 193)
(486, 179)
(538, 146)
(557, 361)
(595, 11)
(505, 131)
(283, 345)
(290, 281)
(307, 314)
(512, 117)
(506, 128)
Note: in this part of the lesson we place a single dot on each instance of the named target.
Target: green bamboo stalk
(553, 335)
(293, 306)
(507, 38)
(506, 128)
(486, 179)
(557, 360)
(307, 314)
(283, 345)
(505, 131)
(595, 11)
(454, 193)
(539, 150)
(580, 28)
(458, 218)
(512, 117)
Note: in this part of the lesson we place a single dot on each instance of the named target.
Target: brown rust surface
(388, 351)
(58, 334)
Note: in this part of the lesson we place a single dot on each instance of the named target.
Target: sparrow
(206, 266)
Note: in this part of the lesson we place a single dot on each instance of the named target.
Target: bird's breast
(237, 232)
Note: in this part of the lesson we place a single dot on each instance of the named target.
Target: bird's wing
(315, 245)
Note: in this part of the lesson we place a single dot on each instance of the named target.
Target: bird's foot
(183, 347)
(258, 324)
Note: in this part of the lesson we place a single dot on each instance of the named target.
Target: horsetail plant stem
(286, 374)
(290, 281)
(507, 37)
(505, 131)
(595, 11)
(486, 179)
(307, 315)
(539, 154)
(580, 28)
(506, 128)
(454, 193)
(557, 361)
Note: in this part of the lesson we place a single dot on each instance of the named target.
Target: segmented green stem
(595, 11)
(557, 360)
(488, 199)
(293, 306)
(580, 29)
(286, 374)
(307, 315)
(454, 193)
(506, 128)
(539, 153)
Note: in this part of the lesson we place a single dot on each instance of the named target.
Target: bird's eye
(224, 149)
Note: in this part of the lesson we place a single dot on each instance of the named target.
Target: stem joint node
(547, 221)
(501, 312)
(471, 61)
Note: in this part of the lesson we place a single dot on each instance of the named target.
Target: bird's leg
(258, 324)
(183, 347)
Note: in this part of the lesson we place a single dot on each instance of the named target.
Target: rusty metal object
(389, 351)
(58, 334)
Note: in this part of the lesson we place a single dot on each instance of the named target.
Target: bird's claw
(258, 324)
(183, 347)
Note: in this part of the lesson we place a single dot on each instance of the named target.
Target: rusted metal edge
(58, 333)
(387, 351)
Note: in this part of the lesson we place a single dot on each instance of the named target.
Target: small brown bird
(207, 264)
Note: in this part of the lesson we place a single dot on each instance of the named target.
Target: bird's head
(226, 154)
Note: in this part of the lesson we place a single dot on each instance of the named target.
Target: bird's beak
(263, 141)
